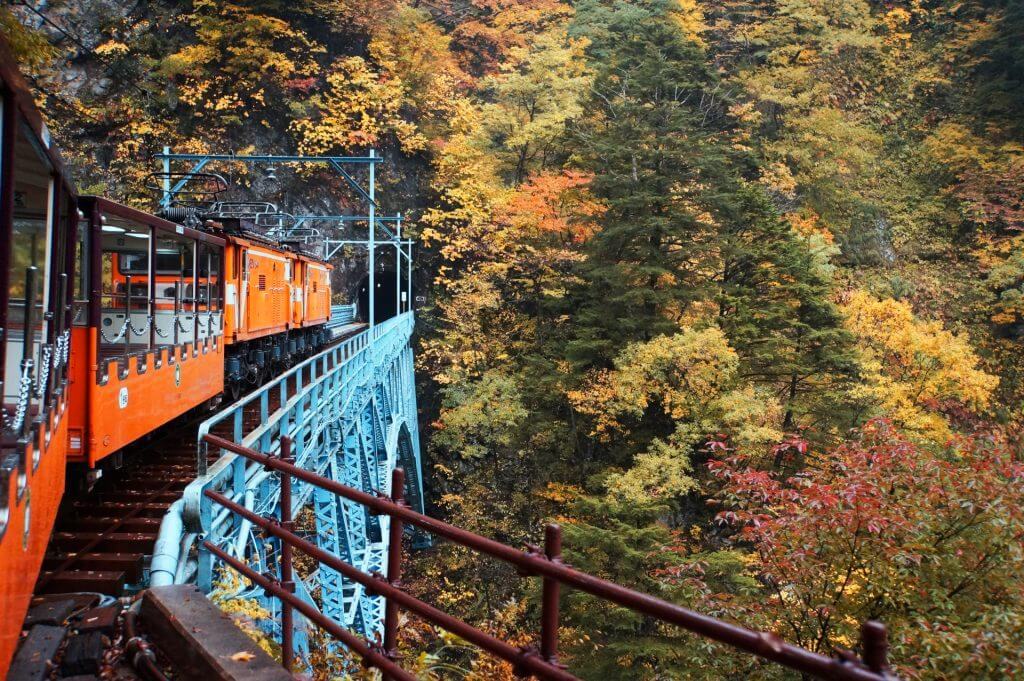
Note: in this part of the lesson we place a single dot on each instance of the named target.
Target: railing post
(28, 351)
(875, 645)
(177, 312)
(549, 601)
(394, 567)
(287, 580)
(127, 319)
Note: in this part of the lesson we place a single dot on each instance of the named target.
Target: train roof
(129, 213)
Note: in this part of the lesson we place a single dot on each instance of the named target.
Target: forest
(733, 291)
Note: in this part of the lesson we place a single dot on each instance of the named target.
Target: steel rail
(763, 644)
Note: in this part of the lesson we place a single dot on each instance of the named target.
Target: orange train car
(276, 303)
(147, 341)
(38, 219)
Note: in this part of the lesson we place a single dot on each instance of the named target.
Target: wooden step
(140, 523)
(123, 496)
(147, 510)
(71, 581)
(116, 542)
(150, 482)
(128, 563)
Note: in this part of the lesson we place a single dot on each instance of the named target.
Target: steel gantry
(287, 227)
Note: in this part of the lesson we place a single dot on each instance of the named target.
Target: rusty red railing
(543, 662)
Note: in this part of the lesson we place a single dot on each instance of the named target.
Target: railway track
(103, 538)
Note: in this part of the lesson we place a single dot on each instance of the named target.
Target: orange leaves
(556, 204)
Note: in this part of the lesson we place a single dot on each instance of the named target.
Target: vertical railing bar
(287, 580)
(128, 318)
(394, 567)
(875, 646)
(29, 346)
(550, 597)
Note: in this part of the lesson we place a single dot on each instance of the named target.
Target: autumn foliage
(732, 290)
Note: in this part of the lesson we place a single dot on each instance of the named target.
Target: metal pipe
(369, 655)
(371, 245)
(525, 661)
(151, 285)
(398, 269)
(142, 657)
(59, 321)
(177, 309)
(128, 318)
(267, 159)
(166, 200)
(29, 342)
(763, 644)
(181, 570)
(164, 565)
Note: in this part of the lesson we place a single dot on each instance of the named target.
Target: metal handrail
(342, 315)
(872, 666)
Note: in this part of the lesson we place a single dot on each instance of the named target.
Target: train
(114, 322)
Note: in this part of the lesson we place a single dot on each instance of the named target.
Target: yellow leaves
(413, 49)
(243, 656)
(897, 22)
(29, 47)
(112, 48)
(689, 17)
(358, 107)
(912, 366)
(237, 56)
(662, 471)
(691, 375)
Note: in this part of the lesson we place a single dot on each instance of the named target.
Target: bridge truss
(351, 415)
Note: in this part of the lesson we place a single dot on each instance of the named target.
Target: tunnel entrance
(384, 298)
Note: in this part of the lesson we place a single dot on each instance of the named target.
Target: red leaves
(881, 524)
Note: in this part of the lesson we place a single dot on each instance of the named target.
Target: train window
(168, 261)
(174, 290)
(29, 269)
(209, 279)
(125, 324)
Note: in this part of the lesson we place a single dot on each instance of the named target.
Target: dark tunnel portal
(384, 300)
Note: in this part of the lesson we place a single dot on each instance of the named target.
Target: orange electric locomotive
(114, 322)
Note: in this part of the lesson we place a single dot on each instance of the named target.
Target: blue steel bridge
(350, 413)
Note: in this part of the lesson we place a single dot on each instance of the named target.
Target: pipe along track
(104, 538)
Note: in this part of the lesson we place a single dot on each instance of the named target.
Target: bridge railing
(342, 315)
(542, 661)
